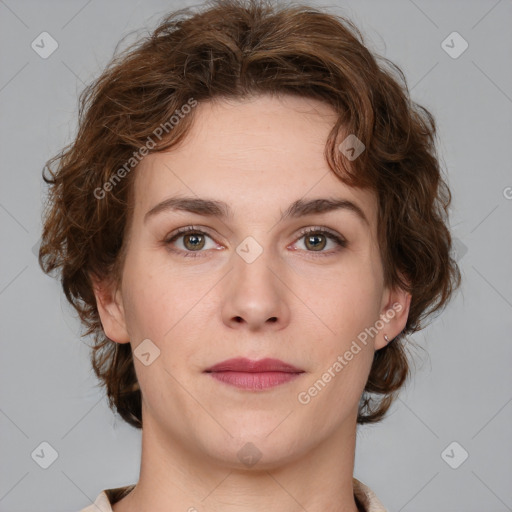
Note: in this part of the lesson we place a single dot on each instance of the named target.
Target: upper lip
(241, 364)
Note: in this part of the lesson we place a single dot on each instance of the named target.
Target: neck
(174, 476)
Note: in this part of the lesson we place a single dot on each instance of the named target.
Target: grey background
(461, 390)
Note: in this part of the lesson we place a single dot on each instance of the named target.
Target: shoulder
(367, 497)
(106, 498)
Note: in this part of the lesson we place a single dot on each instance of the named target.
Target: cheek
(350, 299)
(348, 349)
(349, 308)
(161, 302)
(148, 302)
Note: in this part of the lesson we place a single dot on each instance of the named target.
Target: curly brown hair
(234, 49)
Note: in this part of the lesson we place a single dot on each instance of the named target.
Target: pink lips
(254, 375)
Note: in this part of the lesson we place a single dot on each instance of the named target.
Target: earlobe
(394, 317)
(111, 311)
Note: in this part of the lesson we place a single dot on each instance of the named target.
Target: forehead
(258, 155)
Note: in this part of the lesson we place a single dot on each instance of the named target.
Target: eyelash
(341, 242)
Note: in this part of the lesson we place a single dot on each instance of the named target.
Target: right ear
(110, 308)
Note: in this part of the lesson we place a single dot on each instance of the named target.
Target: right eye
(193, 241)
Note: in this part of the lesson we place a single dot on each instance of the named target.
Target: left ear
(394, 314)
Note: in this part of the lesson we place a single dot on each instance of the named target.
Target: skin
(258, 155)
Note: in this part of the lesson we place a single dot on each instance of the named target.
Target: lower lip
(254, 381)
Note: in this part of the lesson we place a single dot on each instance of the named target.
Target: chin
(257, 448)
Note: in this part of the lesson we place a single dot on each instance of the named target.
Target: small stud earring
(386, 338)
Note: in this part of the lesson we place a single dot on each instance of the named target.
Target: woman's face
(251, 285)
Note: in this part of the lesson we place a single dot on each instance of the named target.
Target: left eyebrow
(213, 208)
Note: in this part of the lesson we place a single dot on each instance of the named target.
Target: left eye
(316, 238)
(194, 240)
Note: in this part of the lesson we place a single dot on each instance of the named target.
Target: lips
(251, 366)
(252, 375)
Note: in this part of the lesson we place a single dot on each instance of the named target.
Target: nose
(256, 297)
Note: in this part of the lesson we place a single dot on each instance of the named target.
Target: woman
(251, 220)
